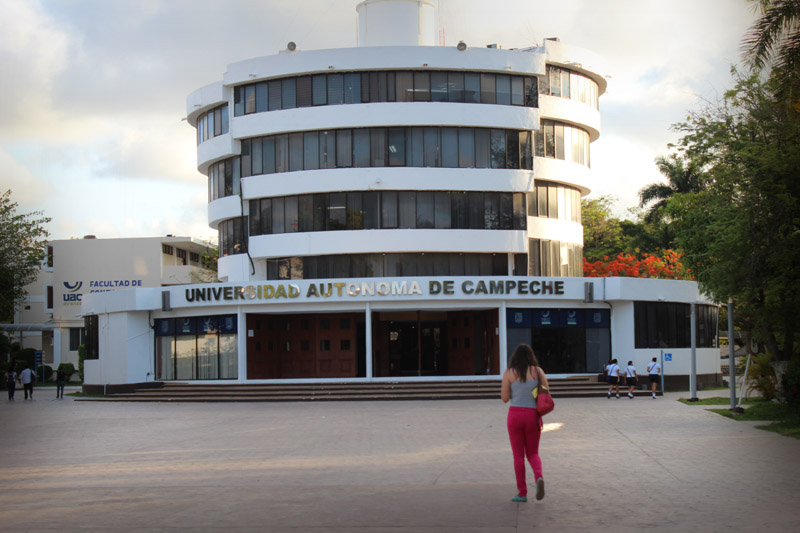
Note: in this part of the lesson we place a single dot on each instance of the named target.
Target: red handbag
(544, 401)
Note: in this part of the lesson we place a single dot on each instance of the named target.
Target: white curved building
(400, 209)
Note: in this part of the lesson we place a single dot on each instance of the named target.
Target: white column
(503, 340)
(241, 341)
(368, 329)
(57, 347)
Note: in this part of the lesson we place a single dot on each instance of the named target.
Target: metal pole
(368, 332)
(731, 358)
(693, 372)
(744, 380)
(662, 372)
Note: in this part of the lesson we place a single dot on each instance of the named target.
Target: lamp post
(693, 372)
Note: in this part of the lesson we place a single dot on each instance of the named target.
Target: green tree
(602, 233)
(774, 40)
(682, 176)
(22, 249)
(208, 262)
(741, 234)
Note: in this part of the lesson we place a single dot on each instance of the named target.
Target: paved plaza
(393, 466)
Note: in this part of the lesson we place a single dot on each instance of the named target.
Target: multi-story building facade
(402, 209)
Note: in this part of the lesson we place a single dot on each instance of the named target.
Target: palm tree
(682, 177)
(774, 39)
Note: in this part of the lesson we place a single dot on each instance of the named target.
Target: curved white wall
(385, 58)
(566, 172)
(555, 230)
(385, 114)
(387, 179)
(214, 149)
(203, 99)
(578, 59)
(387, 241)
(223, 209)
(572, 112)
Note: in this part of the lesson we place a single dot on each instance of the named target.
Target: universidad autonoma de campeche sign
(345, 289)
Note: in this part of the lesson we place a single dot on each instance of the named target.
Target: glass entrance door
(416, 348)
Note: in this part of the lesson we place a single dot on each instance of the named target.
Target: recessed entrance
(405, 344)
(420, 343)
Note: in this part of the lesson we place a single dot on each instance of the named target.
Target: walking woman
(524, 429)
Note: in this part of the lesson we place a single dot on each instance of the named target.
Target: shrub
(762, 376)
(3, 370)
(24, 357)
(81, 357)
(46, 371)
(68, 369)
(790, 385)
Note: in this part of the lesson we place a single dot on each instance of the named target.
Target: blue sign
(518, 318)
(667, 357)
(37, 357)
(598, 318)
(571, 317)
(545, 318)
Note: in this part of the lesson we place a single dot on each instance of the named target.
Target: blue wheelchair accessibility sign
(667, 357)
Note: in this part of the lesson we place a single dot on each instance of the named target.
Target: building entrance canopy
(25, 327)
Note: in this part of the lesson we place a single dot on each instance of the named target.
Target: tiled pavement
(618, 465)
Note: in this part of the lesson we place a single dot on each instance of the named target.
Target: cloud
(149, 149)
(33, 52)
(26, 187)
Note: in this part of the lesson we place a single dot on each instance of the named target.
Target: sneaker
(630, 396)
(617, 396)
(539, 489)
(609, 395)
(519, 499)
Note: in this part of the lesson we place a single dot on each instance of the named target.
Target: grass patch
(719, 400)
(782, 420)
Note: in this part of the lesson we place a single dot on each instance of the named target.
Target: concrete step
(572, 387)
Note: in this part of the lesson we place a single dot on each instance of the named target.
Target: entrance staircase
(572, 387)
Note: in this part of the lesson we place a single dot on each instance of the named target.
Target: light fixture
(461, 46)
(330, 67)
(291, 46)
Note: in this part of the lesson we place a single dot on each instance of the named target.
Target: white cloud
(33, 52)
(27, 189)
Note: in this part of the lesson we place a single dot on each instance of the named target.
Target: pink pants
(524, 433)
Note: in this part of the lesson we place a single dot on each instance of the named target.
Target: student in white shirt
(613, 376)
(27, 377)
(654, 369)
(630, 378)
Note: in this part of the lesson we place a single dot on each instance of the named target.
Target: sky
(93, 92)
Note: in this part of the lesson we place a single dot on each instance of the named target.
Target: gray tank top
(521, 393)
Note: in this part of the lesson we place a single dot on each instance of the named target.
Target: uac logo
(73, 287)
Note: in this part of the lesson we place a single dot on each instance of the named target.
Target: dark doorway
(415, 348)
(425, 343)
(560, 350)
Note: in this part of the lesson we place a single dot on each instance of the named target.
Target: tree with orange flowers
(666, 265)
